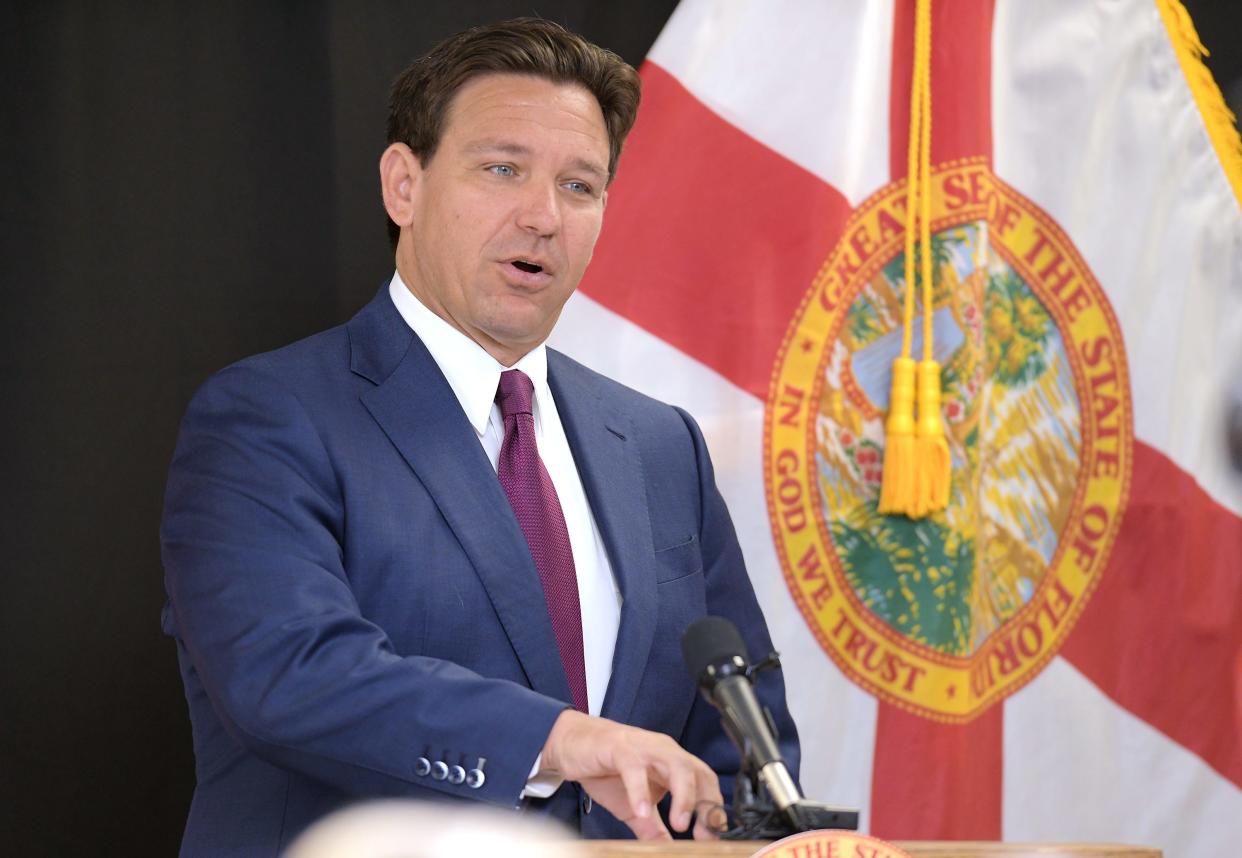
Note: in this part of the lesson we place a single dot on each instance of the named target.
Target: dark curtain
(181, 185)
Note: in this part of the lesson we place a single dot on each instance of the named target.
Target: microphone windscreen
(710, 640)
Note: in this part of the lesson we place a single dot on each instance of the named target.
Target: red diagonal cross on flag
(1073, 669)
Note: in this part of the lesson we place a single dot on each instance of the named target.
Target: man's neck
(505, 355)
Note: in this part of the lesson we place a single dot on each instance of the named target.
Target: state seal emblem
(946, 615)
(831, 844)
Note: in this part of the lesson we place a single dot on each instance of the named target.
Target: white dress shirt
(474, 376)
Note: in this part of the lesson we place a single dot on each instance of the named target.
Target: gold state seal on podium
(831, 844)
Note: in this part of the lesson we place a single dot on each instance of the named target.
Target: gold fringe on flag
(1217, 117)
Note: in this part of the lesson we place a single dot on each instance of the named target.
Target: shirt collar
(472, 373)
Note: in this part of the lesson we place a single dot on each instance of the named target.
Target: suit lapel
(416, 408)
(606, 455)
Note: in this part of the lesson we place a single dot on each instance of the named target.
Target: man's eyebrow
(503, 147)
(591, 167)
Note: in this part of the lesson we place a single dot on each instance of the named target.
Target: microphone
(716, 656)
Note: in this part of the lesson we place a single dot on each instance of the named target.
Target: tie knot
(515, 393)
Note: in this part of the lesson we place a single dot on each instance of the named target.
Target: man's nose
(539, 210)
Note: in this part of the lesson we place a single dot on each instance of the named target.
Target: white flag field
(1057, 656)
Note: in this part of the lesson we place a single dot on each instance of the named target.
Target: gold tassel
(931, 446)
(897, 490)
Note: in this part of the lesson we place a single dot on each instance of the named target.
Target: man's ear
(400, 172)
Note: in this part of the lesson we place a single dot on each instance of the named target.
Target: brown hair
(421, 94)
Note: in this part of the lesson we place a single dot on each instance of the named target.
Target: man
(421, 554)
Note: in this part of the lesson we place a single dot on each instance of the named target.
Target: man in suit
(422, 555)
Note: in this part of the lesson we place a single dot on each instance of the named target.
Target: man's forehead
(517, 95)
(518, 82)
(494, 112)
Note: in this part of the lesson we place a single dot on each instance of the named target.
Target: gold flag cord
(916, 454)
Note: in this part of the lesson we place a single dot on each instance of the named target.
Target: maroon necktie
(533, 498)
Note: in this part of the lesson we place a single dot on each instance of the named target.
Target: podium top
(917, 848)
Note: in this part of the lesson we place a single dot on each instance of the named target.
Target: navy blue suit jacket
(349, 590)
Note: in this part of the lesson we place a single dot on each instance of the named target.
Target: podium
(917, 848)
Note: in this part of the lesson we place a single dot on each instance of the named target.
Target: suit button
(439, 770)
(585, 803)
(456, 775)
(422, 766)
(475, 778)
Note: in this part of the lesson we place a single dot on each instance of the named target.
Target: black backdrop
(180, 186)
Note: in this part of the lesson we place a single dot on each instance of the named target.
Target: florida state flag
(1057, 654)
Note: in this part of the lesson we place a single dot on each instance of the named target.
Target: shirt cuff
(541, 784)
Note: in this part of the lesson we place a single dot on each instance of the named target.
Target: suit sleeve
(251, 544)
(730, 595)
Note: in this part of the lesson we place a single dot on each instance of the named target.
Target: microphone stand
(756, 815)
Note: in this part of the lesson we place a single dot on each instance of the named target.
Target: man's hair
(421, 94)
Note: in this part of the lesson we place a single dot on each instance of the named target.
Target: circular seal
(830, 844)
(945, 615)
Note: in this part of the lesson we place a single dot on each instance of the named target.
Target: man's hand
(628, 770)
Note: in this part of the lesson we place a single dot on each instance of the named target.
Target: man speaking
(423, 555)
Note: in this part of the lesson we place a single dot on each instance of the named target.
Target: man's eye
(579, 187)
(502, 169)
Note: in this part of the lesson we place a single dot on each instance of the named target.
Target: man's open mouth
(528, 267)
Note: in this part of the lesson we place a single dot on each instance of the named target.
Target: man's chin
(510, 343)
